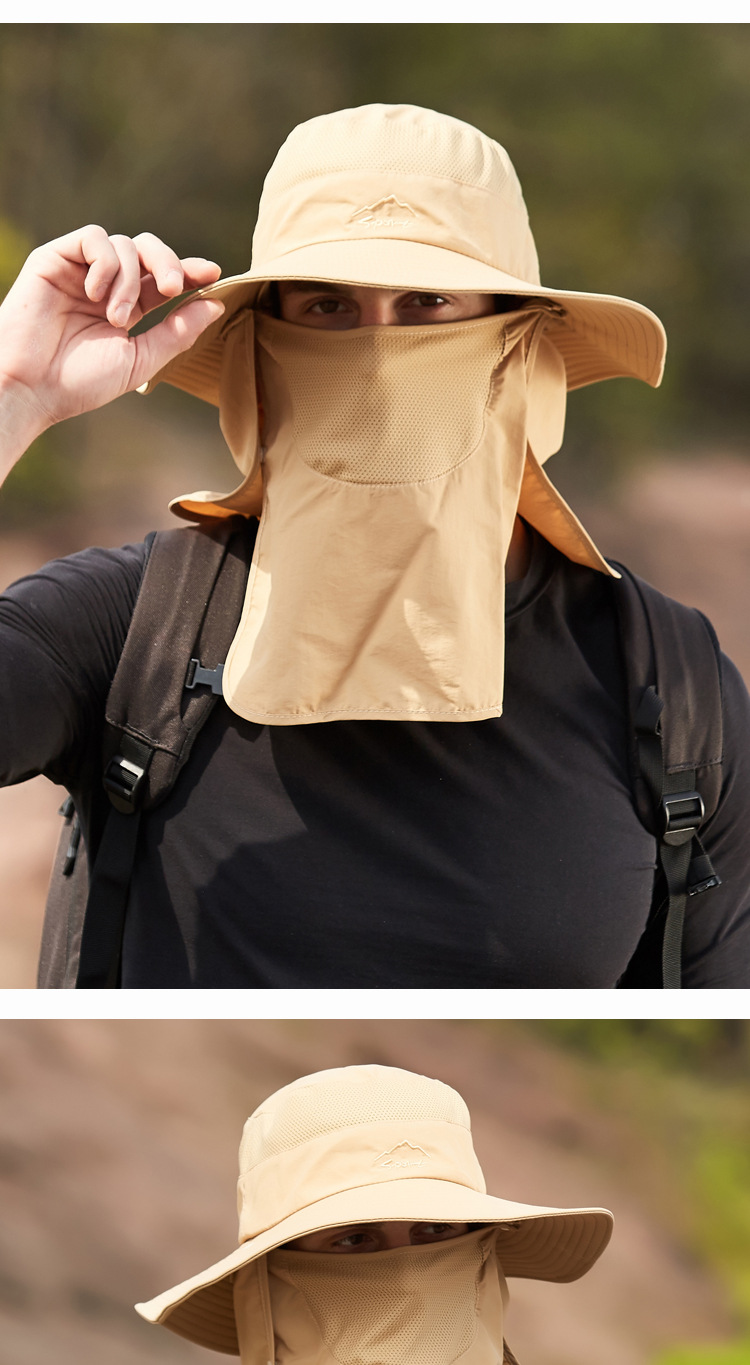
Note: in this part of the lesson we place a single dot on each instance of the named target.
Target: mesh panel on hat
(377, 1095)
(396, 1309)
(393, 140)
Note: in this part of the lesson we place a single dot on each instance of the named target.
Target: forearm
(21, 421)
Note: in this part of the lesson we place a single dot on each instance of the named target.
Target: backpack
(169, 678)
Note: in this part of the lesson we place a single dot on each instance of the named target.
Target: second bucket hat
(365, 1144)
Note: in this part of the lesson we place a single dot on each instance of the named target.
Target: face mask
(430, 1305)
(387, 468)
(392, 468)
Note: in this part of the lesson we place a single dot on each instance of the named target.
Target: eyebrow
(313, 287)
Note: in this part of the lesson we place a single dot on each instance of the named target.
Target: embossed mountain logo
(388, 212)
(404, 1154)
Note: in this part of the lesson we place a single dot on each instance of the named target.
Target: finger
(169, 338)
(100, 254)
(197, 273)
(88, 246)
(160, 261)
(126, 286)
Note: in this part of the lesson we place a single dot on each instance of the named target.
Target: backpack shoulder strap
(169, 675)
(674, 699)
(166, 684)
(66, 906)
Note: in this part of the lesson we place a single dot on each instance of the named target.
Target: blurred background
(631, 144)
(118, 1160)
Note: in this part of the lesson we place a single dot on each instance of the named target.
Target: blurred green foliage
(42, 486)
(737, 1353)
(683, 1084)
(630, 141)
(14, 248)
(700, 1047)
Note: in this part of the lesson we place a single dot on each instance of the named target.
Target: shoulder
(62, 630)
(70, 618)
(97, 574)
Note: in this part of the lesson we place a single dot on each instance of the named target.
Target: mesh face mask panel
(408, 144)
(298, 1113)
(367, 403)
(410, 1306)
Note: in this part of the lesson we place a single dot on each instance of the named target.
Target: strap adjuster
(682, 813)
(123, 780)
(70, 816)
(209, 677)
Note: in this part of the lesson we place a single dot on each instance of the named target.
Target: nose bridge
(377, 308)
(395, 1235)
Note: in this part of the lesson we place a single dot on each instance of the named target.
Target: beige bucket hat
(365, 1144)
(405, 198)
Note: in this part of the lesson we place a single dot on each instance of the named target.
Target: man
(366, 1234)
(401, 786)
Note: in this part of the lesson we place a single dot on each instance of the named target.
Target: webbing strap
(680, 811)
(101, 941)
(673, 675)
(151, 726)
(675, 861)
(188, 607)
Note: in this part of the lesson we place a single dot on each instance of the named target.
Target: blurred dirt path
(685, 526)
(118, 1151)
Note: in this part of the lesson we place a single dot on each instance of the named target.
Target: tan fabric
(392, 476)
(374, 1153)
(407, 198)
(366, 1144)
(427, 1305)
(394, 459)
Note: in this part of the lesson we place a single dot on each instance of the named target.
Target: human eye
(428, 301)
(328, 306)
(420, 307)
(354, 1239)
(435, 1232)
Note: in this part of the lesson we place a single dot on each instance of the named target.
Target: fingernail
(121, 314)
(174, 278)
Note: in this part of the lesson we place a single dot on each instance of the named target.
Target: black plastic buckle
(209, 677)
(682, 813)
(70, 816)
(122, 782)
(695, 888)
(701, 873)
(71, 852)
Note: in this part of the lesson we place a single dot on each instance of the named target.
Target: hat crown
(394, 172)
(394, 139)
(345, 1097)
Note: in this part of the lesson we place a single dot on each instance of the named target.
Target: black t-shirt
(495, 853)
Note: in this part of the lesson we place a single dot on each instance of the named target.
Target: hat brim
(599, 336)
(543, 1244)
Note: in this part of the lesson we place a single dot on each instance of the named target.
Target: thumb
(168, 339)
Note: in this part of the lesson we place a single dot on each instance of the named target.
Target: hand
(64, 343)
